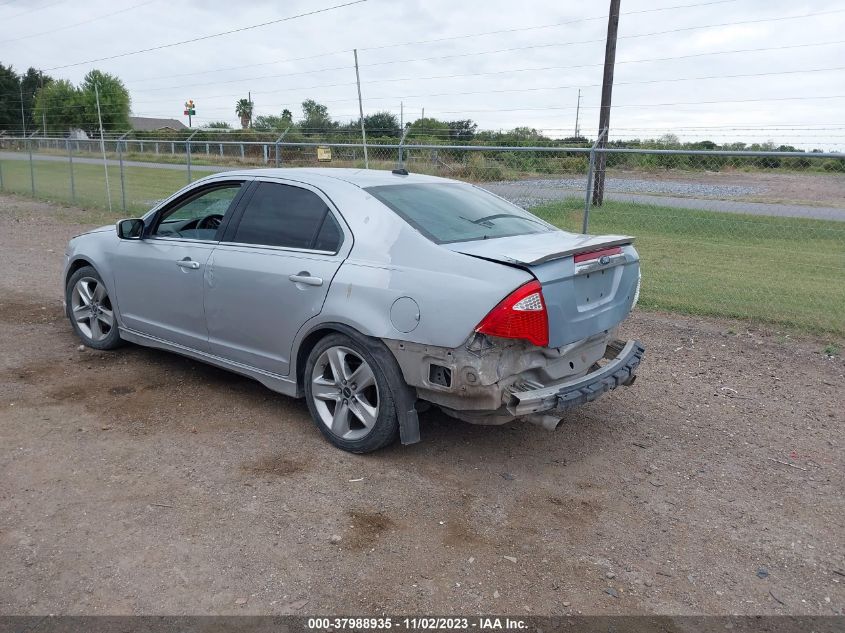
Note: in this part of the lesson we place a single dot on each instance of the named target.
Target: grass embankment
(787, 272)
(781, 271)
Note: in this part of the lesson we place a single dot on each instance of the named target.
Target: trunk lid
(582, 297)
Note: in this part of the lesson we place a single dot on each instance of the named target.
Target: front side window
(290, 217)
(198, 217)
(455, 212)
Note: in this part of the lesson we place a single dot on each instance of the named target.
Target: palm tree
(243, 108)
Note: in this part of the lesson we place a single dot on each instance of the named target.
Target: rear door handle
(188, 263)
(307, 279)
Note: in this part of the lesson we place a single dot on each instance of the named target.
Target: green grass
(144, 185)
(787, 272)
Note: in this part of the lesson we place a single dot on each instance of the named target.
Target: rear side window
(287, 216)
(454, 212)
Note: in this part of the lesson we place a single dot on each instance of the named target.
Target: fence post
(70, 166)
(188, 153)
(401, 148)
(242, 150)
(1, 175)
(278, 149)
(122, 178)
(221, 150)
(586, 225)
(31, 167)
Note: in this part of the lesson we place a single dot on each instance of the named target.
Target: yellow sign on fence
(324, 154)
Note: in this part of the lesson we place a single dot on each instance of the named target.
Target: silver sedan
(369, 293)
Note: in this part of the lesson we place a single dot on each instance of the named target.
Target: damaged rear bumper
(561, 397)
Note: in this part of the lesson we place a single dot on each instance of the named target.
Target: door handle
(307, 279)
(188, 263)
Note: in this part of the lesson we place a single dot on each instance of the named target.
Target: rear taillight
(602, 252)
(522, 314)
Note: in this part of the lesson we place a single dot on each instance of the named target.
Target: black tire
(111, 338)
(385, 431)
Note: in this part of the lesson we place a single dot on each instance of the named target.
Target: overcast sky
(555, 47)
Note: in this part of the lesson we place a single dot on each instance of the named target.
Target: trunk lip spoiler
(563, 396)
(584, 243)
(621, 240)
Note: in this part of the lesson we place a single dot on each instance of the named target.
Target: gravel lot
(820, 196)
(137, 481)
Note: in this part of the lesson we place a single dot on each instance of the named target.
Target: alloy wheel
(92, 309)
(345, 393)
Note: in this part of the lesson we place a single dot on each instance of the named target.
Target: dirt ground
(138, 481)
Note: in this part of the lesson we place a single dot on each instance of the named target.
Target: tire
(358, 415)
(90, 310)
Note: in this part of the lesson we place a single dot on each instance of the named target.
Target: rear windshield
(454, 212)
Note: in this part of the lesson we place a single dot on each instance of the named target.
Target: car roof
(359, 177)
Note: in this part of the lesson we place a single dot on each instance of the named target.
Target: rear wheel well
(308, 343)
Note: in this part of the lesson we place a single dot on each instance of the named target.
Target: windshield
(454, 212)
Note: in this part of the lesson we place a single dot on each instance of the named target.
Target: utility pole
(44, 111)
(103, 143)
(606, 90)
(249, 98)
(577, 112)
(361, 109)
(23, 116)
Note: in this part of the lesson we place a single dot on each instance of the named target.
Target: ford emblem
(604, 260)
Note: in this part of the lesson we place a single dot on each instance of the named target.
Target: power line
(70, 26)
(207, 37)
(449, 38)
(650, 105)
(43, 6)
(479, 74)
(635, 35)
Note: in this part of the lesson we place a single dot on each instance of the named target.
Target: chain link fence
(751, 235)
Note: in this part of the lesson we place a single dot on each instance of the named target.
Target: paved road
(99, 161)
(531, 193)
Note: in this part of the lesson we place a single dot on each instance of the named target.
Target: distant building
(148, 124)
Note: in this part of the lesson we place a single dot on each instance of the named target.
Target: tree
(271, 123)
(218, 125)
(10, 108)
(114, 103)
(315, 118)
(463, 130)
(287, 115)
(430, 126)
(381, 124)
(57, 106)
(31, 83)
(243, 108)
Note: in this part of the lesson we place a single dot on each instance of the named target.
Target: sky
(725, 70)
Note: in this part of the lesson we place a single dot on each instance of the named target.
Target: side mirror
(130, 229)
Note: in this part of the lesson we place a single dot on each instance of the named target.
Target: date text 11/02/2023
(417, 623)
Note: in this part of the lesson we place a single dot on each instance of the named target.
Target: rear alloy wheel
(90, 310)
(349, 396)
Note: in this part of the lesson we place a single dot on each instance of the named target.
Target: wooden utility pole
(606, 90)
(361, 110)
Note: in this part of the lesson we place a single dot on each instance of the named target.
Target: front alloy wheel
(92, 309)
